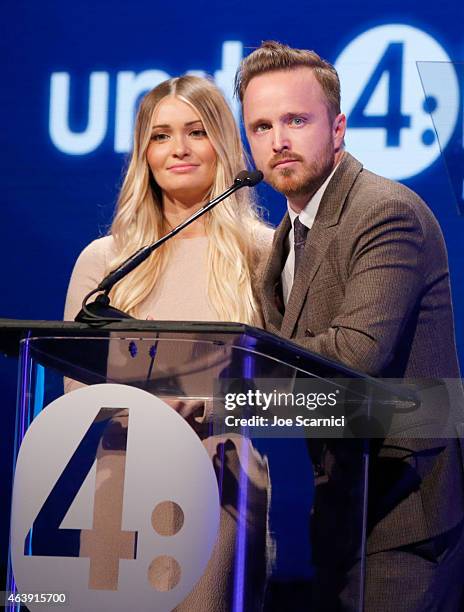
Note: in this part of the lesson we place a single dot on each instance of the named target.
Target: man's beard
(294, 184)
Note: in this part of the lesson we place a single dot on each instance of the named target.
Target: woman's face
(180, 153)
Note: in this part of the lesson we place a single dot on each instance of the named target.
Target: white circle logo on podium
(389, 125)
(115, 503)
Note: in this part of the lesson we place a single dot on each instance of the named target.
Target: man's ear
(338, 131)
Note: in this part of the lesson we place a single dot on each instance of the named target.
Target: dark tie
(300, 232)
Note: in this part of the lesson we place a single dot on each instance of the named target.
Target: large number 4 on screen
(106, 543)
(393, 121)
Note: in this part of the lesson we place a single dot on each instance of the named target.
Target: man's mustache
(284, 157)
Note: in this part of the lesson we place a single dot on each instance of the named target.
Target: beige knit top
(181, 292)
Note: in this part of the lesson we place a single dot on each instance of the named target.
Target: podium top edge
(12, 331)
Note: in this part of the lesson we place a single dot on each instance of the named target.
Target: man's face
(293, 141)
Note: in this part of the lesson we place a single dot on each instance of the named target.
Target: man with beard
(359, 274)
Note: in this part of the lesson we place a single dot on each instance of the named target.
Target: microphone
(250, 179)
(100, 310)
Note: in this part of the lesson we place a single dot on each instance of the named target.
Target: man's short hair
(272, 56)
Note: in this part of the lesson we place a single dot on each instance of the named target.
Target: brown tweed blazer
(372, 291)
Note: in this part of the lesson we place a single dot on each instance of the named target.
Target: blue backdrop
(73, 73)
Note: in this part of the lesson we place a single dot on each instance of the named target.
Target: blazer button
(309, 333)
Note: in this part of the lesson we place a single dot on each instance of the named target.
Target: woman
(186, 151)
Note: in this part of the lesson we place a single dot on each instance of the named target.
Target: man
(359, 273)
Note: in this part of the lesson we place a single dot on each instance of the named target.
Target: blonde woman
(186, 151)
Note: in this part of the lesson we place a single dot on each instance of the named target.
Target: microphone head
(248, 179)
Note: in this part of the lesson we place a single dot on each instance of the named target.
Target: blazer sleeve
(385, 275)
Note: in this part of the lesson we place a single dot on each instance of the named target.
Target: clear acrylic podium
(149, 475)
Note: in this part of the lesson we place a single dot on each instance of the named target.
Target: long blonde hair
(230, 227)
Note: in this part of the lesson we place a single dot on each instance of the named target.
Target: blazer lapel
(271, 277)
(319, 238)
